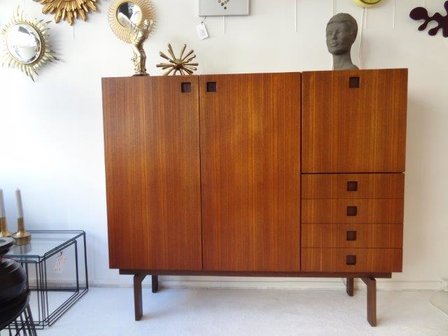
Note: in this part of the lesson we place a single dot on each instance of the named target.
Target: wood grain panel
(354, 130)
(375, 211)
(367, 186)
(151, 133)
(366, 235)
(250, 144)
(335, 260)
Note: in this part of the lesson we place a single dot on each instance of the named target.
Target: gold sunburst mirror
(26, 44)
(68, 10)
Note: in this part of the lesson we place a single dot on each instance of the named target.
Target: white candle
(19, 204)
(2, 205)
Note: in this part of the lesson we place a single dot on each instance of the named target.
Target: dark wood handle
(353, 82)
(350, 260)
(351, 235)
(352, 210)
(185, 87)
(211, 86)
(352, 185)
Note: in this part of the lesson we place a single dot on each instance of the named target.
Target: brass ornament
(4, 228)
(42, 53)
(22, 237)
(68, 10)
(181, 65)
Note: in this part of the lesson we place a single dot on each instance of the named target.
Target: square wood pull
(185, 87)
(353, 82)
(350, 260)
(352, 210)
(211, 86)
(351, 235)
(352, 186)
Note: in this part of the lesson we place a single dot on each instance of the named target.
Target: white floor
(209, 312)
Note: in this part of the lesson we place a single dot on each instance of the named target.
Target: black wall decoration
(421, 13)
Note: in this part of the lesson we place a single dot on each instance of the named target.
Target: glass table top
(44, 243)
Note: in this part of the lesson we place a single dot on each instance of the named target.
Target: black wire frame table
(50, 244)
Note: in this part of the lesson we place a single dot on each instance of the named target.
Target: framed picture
(223, 7)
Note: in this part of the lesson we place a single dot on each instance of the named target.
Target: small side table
(55, 262)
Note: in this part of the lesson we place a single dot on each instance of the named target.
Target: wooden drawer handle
(351, 235)
(352, 185)
(211, 86)
(350, 260)
(352, 210)
(353, 82)
(185, 87)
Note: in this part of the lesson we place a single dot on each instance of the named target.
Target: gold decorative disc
(68, 10)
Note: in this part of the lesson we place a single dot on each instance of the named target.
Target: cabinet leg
(155, 283)
(349, 286)
(371, 300)
(138, 304)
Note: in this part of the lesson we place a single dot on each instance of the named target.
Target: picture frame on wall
(223, 7)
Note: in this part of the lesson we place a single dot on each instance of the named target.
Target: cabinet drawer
(352, 186)
(351, 260)
(363, 211)
(352, 235)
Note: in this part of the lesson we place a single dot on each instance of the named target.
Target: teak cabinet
(281, 174)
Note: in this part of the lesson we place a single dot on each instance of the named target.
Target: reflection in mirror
(129, 14)
(23, 43)
(26, 44)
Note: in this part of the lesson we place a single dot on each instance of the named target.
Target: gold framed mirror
(26, 44)
(125, 15)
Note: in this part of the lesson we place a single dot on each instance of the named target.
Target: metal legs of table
(138, 301)
(371, 297)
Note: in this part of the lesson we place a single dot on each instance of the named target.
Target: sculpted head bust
(341, 34)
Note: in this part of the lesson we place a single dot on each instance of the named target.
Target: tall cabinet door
(151, 132)
(250, 166)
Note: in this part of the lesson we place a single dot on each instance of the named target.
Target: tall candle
(19, 204)
(2, 205)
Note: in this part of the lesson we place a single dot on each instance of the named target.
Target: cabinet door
(250, 144)
(354, 121)
(151, 130)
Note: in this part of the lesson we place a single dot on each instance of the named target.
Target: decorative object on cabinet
(68, 10)
(26, 44)
(283, 174)
(132, 22)
(22, 237)
(341, 33)
(223, 7)
(3, 227)
(181, 65)
(367, 3)
(421, 13)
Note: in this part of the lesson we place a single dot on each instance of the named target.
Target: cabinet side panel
(151, 134)
(250, 144)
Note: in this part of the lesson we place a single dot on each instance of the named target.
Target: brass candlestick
(22, 237)
(3, 229)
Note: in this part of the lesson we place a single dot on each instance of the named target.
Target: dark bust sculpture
(341, 34)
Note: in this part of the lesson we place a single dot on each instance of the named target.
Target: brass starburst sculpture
(26, 44)
(181, 65)
(68, 10)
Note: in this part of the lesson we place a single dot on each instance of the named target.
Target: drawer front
(362, 211)
(352, 235)
(352, 186)
(351, 260)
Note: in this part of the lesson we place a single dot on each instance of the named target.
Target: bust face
(340, 37)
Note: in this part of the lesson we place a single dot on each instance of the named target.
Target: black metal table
(55, 262)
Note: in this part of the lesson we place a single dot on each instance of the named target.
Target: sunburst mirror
(26, 44)
(68, 10)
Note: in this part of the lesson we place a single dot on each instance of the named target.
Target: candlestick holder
(22, 236)
(3, 228)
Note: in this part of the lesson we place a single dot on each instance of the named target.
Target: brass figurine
(3, 228)
(138, 36)
(68, 10)
(181, 65)
(22, 237)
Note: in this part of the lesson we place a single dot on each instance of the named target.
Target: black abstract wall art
(421, 13)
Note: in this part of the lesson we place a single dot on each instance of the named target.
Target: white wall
(51, 138)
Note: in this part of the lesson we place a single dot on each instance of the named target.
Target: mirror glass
(24, 43)
(129, 14)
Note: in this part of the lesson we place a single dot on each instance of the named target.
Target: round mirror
(129, 14)
(24, 43)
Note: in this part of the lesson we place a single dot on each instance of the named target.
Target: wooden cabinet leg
(155, 283)
(138, 304)
(349, 286)
(371, 300)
